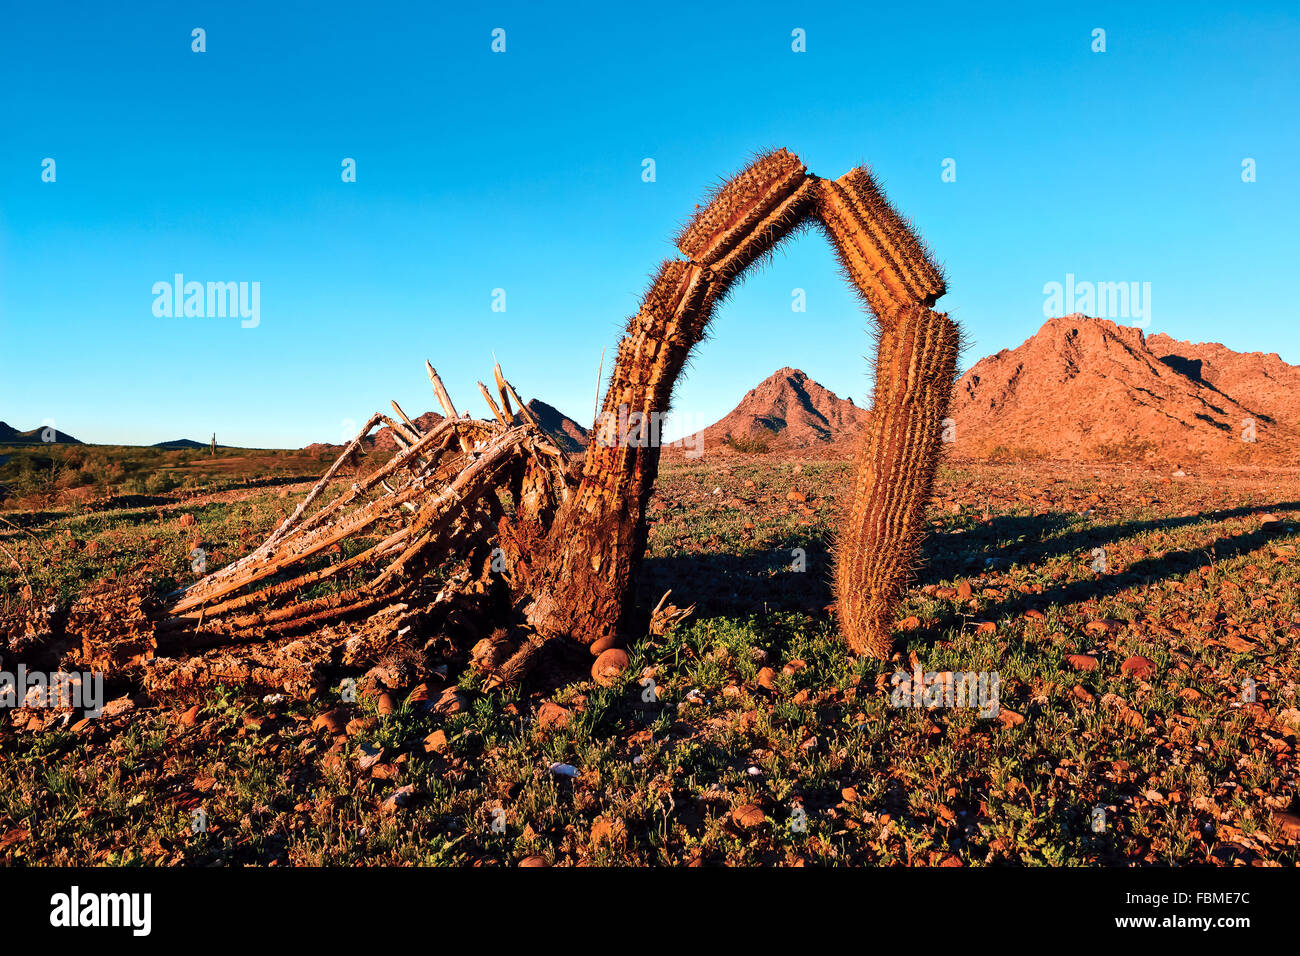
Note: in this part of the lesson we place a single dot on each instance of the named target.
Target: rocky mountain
(786, 411)
(1088, 388)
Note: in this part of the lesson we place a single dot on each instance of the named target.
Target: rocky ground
(1143, 626)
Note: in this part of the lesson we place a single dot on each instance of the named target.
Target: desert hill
(1088, 388)
(12, 436)
(567, 433)
(1258, 380)
(786, 411)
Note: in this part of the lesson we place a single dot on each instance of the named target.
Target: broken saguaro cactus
(472, 525)
(581, 584)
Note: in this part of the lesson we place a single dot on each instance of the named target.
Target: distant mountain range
(1079, 388)
(563, 430)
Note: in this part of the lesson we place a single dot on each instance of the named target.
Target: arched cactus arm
(581, 585)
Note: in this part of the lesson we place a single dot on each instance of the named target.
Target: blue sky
(522, 171)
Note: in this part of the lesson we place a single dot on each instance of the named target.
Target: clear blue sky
(523, 171)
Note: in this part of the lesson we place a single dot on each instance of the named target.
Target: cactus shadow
(786, 574)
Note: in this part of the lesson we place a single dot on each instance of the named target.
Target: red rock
(191, 716)
(551, 716)
(607, 830)
(1132, 718)
(1009, 718)
(964, 591)
(1137, 666)
(767, 678)
(608, 666)
(601, 646)
(333, 721)
(187, 520)
(1082, 662)
(532, 861)
(748, 816)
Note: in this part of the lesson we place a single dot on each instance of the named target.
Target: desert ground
(1143, 619)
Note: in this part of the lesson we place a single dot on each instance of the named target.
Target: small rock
(333, 721)
(1137, 666)
(767, 678)
(436, 742)
(369, 755)
(608, 666)
(117, 707)
(1288, 823)
(386, 705)
(1082, 662)
(190, 717)
(533, 861)
(748, 816)
(452, 701)
(1009, 718)
(551, 716)
(187, 521)
(601, 646)
(399, 798)
(606, 830)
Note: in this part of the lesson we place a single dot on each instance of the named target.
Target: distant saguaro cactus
(580, 584)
